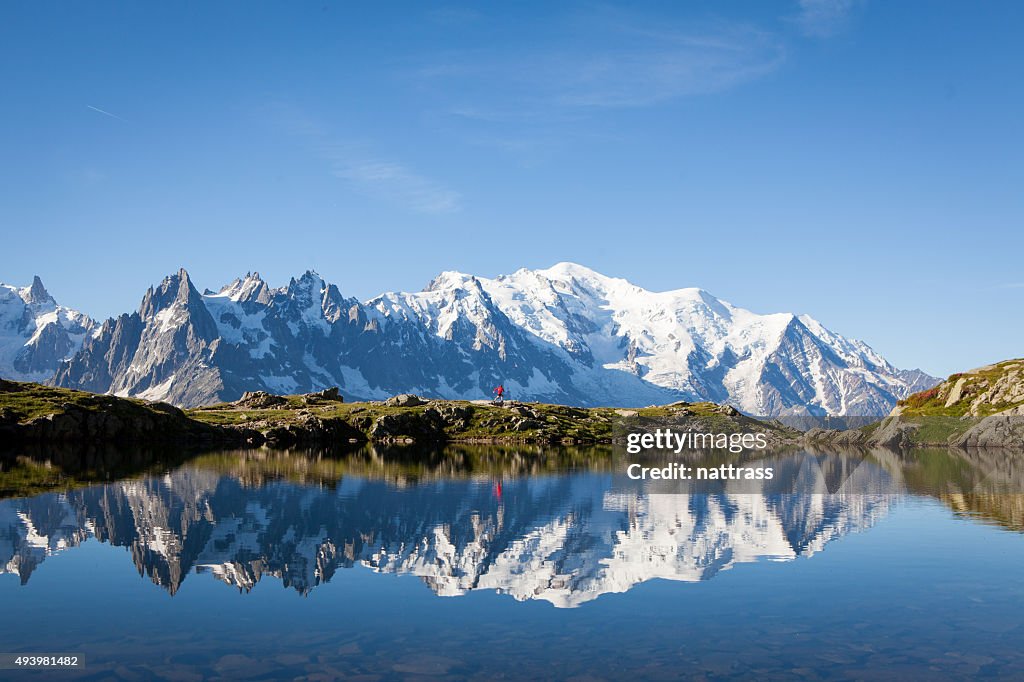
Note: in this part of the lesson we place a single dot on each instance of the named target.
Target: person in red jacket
(499, 393)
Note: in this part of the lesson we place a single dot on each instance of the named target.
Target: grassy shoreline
(33, 412)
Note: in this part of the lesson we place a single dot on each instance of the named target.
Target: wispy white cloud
(823, 18)
(624, 62)
(679, 67)
(396, 182)
(532, 98)
(363, 171)
(105, 113)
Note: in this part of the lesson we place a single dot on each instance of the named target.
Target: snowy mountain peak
(248, 288)
(309, 281)
(585, 283)
(173, 290)
(36, 333)
(449, 279)
(568, 270)
(37, 294)
(564, 334)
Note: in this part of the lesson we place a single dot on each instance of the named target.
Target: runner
(500, 393)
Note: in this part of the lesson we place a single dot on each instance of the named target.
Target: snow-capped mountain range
(566, 334)
(564, 539)
(36, 334)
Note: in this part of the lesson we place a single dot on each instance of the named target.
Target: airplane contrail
(105, 113)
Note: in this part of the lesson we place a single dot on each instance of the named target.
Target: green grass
(869, 429)
(938, 429)
(704, 409)
(484, 422)
(932, 403)
(27, 401)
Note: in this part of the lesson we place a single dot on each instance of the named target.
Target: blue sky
(859, 161)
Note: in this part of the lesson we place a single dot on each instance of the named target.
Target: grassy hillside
(32, 412)
(980, 408)
(978, 393)
(23, 401)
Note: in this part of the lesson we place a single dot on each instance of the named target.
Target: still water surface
(484, 564)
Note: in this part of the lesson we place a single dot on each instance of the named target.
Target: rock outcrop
(36, 414)
(405, 400)
(259, 400)
(980, 408)
(997, 430)
(995, 388)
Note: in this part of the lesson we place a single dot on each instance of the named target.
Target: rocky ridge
(983, 407)
(31, 413)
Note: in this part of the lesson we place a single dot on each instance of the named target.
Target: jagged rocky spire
(37, 293)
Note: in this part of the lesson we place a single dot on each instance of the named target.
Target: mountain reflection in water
(564, 537)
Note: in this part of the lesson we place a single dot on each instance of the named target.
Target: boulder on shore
(405, 400)
(258, 400)
(327, 395)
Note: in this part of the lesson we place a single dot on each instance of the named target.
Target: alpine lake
(488, 562)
